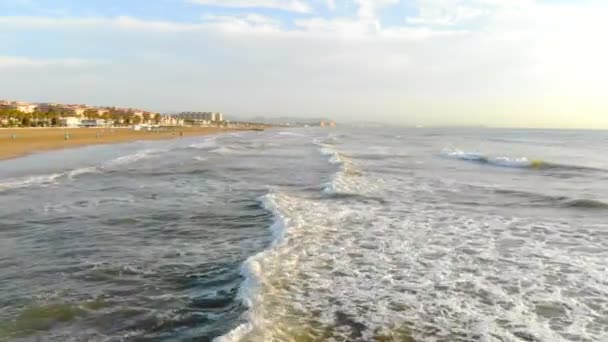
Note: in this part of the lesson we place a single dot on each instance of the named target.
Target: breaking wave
(54, 178)
(521, 162)
(253, 273)
(132, 158)
(539, 200)
(343, 180)
(24, 182)
(206, 144)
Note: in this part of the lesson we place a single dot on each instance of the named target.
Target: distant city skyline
(499, 63)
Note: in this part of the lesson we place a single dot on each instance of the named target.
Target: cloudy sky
(532, 63)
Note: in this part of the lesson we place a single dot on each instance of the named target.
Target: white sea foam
(334, 156)
(24, 182)
(521, 162)
(458, 154)
(341, 267)
(54, 178)
(353, 270)
(252, 270)
(199, 158)
(206, 144)
(135, 157)
(82, 171)
(44, 180)
(346, 179)
(223, 150)
(292, 134)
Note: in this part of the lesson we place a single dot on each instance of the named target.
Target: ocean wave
(54, 178)
(542, 200)
(520, 162)
(347, 179)
(496, 161)
(292, 134)
(82, 171)
(377, 155)
(24, 182)
(223, 150)
(132, 158)
(586, 204)
(338, 182)
(45, 180)
(334, 155)
(253, 273)
(206, 144)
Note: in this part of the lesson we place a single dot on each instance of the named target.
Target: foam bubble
(334, 155)
(135, 157)
(345, 269)
(82, 171)
(521, 162)
(223, 150)
(24, 182)
(252, 271)
(206, 144)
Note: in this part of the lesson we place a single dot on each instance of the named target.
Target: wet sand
(31, 140)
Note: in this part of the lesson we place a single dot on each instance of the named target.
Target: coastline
(28, 141)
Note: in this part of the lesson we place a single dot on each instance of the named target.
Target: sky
(507, 63)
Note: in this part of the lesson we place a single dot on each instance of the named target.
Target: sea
(310, 234)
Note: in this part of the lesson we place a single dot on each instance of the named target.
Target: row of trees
(50, 117)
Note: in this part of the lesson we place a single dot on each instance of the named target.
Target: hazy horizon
(496, 63)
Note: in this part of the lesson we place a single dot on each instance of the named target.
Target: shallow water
(310, 234)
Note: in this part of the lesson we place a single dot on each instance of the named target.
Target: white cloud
(11, 62)
(457, 62)
(368, 9)
(249, 23)
(287, 5)
(121, 22)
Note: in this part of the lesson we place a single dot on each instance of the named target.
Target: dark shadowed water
(310, 235)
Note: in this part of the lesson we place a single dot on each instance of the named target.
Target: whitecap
(223, 150)
(459, 154)
(206, 144)
(132, 158)
(521, 162)
(252, 271)
(82, 171)
(24, 182)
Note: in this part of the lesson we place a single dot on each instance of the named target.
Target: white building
(69, 121)
(93, 123)
(75, 110)
(101, 111)
(171, 121)
(202, 117)
(23, 107)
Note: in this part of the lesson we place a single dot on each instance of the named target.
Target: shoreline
(29, 141)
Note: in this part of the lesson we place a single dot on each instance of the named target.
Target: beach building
(171, 121)
(45, 107)
(26, 107)
(202, 118)
(93, 123)
(23, 107)
(75, 110)
(70, 121)
(101, 111)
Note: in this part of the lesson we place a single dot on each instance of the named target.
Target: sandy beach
(23, 141)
